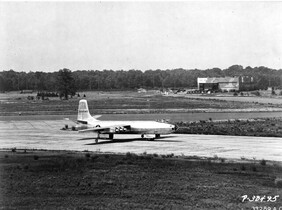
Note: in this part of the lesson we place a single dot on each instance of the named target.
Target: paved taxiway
(38, 134)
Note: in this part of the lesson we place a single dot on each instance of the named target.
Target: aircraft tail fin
(83, 112)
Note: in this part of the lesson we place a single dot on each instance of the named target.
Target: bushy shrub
(128, 155)
(263, 162)
(170, 155)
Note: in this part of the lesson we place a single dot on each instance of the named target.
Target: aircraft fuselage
(136, 127)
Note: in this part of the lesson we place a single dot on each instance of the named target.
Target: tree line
(83, 80)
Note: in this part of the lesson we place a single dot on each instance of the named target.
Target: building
(241, 83)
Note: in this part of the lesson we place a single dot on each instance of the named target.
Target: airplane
(90, 124)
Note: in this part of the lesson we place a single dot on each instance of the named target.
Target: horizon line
(189, 69)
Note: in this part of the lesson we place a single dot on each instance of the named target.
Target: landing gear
(98, 136)
(158, 136)
(148, 137)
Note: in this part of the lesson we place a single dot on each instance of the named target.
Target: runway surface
(46, 134)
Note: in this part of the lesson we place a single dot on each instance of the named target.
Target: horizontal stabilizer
(97, 116)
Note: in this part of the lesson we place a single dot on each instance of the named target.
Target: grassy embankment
(69, 180)
(253, 127)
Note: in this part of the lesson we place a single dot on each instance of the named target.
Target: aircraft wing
(107, 129)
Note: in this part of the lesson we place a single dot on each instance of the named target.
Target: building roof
(222, 80)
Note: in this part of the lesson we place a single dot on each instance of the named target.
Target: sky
(48, 36)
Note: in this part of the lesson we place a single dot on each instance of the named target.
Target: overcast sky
(48, 36)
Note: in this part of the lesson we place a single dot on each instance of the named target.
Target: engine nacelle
(79, 127)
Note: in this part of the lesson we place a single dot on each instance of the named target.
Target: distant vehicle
(90, 124)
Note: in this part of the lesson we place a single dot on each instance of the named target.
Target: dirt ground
(70, 180)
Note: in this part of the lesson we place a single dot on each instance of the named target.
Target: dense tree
(2, 83)
(109, 79)
(66, 83)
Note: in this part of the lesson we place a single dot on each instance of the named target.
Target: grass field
(70, 180)
(253, 127)
(121, 102)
